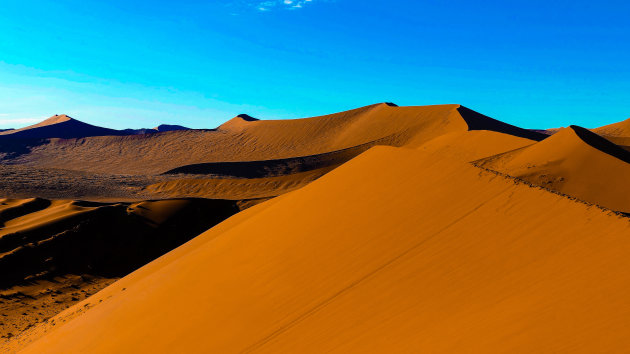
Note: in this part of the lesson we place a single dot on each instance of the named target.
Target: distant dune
(65, 127)
(620, 129)
(58, 126)
(619, 133)
(247, 139)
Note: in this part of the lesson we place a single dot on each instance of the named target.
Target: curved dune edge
(428, 254)
(575, 162)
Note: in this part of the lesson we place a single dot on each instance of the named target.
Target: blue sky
(198, 63)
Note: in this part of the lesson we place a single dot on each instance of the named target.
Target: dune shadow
(602, 144)
(273, 168)
(478, 121)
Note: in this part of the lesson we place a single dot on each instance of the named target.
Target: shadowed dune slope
(42, 238)
(478, 121)
(53, 252)
(398, 250)
(58, 126)
(245, 139)
(573, 161)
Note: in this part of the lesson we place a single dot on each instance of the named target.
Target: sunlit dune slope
(573, 161)
(398, 250)
(618, 133)
(619, 129)
(235, 188)
(245, 139)
(462, 146)
(473, 145)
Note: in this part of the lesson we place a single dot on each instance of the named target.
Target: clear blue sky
(197, 63)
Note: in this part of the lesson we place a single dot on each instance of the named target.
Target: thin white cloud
(284, 4)
(19, 120)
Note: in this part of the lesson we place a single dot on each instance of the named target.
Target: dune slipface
(426, 255)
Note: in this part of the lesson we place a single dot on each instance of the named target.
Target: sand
(258, 140)
(586, 167)
(54, 253)
(58, 126)
(465, 234)
(429, 254)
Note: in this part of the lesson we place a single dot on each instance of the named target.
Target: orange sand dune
(54, 252)
(234, 188)
(464, 146)
(619, 129)
(618, 133)
(473, 145)
(573, 161)
(57, 211)
(398, 250)
(246, 139)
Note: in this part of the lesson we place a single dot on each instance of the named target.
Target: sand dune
(65, 127)
(58, 126)
(426, 246)
(618, 133)
(52, 252)
(428, 254)
(246, 139)
(573, 161)
(212, 163)
(234, 188)
(473, 145)
(619, 129)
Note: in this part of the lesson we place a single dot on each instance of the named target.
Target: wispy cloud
(5, 121)
(282, 4)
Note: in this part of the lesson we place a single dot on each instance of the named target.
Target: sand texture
(380, 229)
